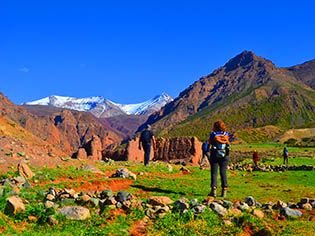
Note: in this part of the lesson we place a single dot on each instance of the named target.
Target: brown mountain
(63, 129)
(305, 72)
(248, 91)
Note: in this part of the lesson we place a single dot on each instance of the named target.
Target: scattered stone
(250, 201)
(25, 171)
(258, 213)
(95, 202)
(304, 200)
(14, 205)
(307, 206)
(244, 207)
(50, 197)
(227, 204)
(220, 210)
(185, 170)
(208, 201)
(123, 197)
(280, 204)
(49, 204)
(227, 222)
(169, 167)
(160, 201)
(235, 212)
(181, 205)
(93, 169)
(198, 209)
(288, 212)
(106, 194)
(32, 219)
(124, 173)
(75, 212)
(52, 220)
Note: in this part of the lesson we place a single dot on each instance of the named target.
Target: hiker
(255, 158)
(219, 157)
(285, 156)
(205, 153)
(146, 141)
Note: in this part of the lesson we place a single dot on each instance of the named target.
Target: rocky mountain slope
(102, 107)
(247, 92)
(63, 129)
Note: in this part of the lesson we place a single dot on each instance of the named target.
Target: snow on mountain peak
(101, 107)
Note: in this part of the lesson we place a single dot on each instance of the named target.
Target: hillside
(64, 130)
(247, 92)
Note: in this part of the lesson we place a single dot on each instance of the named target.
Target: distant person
(205, 153)
(255, 158)
(285, 156)
(146, 141)
(219, 141)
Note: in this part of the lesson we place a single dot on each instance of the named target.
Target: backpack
(220, 150)
(146, 136)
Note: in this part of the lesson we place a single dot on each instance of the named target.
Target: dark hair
(219, 126)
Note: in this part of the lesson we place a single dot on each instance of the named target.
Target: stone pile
(269, 168)
(124, 173)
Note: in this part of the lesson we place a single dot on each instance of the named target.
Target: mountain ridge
(102, 107)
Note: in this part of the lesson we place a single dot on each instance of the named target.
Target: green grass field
(157, 180)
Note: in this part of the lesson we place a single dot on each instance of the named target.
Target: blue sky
(130, 51)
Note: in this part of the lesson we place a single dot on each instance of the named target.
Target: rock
(199, 208)
(280, 204)
(94, 202)
(50, 197)
(227, 204)
(14, 205)
(307, 206)
(181, 205)
(258, 213)
(119, 205)
(235, 212)
(193, 202)
(123, 196)
(185, 170)
(49, 204)
(32, 219)
(220, 210)
(288, 212)
(25, 171)
(208, 201)
(227, 222)
(304, 200)
(94, 148)
(169, 167)
(111, 201)
(106, 194)
(250, 201)
(19, 181)
(81, 154)
(160, 201)
(75, 212)
(124, 173)
(244, 207)
(52, 220)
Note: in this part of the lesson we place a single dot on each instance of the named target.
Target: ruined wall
(182, 149)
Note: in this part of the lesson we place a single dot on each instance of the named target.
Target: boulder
(250, 201)
(81, 154)
(181, 205)
(160, 201)
(75, 212)
(288, 212)
(258, 213)
(14, 205)
(25, 171)
(217, 208)
(307, 206)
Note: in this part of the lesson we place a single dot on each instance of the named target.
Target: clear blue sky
(129, 51)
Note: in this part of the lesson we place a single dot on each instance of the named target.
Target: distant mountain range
(104, 108)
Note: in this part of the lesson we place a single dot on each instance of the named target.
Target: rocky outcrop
(182, 149)
(94, 148)
(24, 170)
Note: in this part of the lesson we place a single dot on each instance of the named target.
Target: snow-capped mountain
(102, 107)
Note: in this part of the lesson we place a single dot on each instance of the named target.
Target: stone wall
(182, 149)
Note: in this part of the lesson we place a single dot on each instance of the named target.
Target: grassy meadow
(158, 180)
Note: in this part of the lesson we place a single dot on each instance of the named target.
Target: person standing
(205, 153)
(146, 141)
(285, 156)
(255, 158)
(219, 157)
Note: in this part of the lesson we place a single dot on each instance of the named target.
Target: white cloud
(24, 69)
